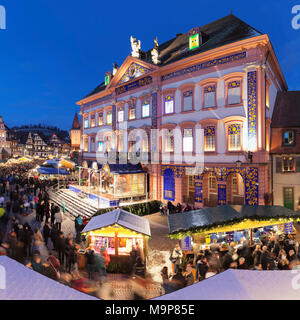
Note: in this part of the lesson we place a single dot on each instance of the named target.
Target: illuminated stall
(118, 231)
(226, 222)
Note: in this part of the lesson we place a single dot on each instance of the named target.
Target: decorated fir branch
(234, 225)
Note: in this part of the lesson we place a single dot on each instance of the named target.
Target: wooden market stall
(118, 231)
(200, 225)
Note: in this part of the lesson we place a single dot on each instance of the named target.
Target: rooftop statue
(136, 47)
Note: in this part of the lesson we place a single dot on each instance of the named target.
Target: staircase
(73, 204)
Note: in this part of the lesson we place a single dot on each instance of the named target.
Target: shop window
(234, 92)
(288, 138)
(288, 164)
(109, 118)
(210, 96)
(121, 115)
(234, 137)
(146, 109)
(169, 104)
(132, 113)
(210, 139)
(188, 100)
(188, 141)
(100, 119)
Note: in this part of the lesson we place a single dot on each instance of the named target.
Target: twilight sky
(56, 51)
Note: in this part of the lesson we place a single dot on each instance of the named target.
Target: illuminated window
(93, 121)
(109, 118)
(169, 141)
(132, 113)
(188, 100)
(209, 96)
(100, 146)
(288, 138)
(86, 144)
(169, 104)
(234, 137)
(194, 38)
(146, 109)
(100, 119)
(121, 115)
(234, 92)
(212, 182)
(210, 139)
(288, 164)
(86, 123)
(107, 78)
(188, 141)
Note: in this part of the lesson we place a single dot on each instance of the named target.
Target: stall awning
(22, 283)
(122, 218)
(50, 171)
(241, 285)
(227, 218)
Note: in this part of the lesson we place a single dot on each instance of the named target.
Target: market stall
(118, 231)
(230, 223)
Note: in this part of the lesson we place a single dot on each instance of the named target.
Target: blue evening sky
(56, 51)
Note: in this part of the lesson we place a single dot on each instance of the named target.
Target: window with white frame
(234, 92)
(210, 139)
(188, 141)
(121, 115)
(146, 109)
(169, 104)
(86, 123)
(188, 100)
(234, 137)
(212, 182)
(93, 121)
(100, 119)
(109, 118)
(210, 96)
(132, 113)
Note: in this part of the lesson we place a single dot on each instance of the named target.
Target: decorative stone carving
(135, 46)
(155, 52)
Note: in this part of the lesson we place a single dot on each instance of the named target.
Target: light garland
(233, 225)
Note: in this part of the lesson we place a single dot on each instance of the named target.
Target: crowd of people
(169, 208)
(270, 252)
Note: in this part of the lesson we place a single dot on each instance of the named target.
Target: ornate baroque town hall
(223, 78)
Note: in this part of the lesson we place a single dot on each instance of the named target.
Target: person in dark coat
(54, 236)
(189, 277)
(52, 214)
(133, 257)
(264, 258)
(60, 245)
(91, 262)
(46, 232)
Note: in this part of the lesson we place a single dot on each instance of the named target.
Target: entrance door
(288, 198)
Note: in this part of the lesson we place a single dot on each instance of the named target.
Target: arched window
(169, 104)
(210, 138)
(234, 137)
(188, 100)
(109, 118)
(210, 96)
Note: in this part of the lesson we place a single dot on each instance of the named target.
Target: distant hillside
(45, 130)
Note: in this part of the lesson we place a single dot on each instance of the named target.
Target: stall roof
(54, 171)
(208, 218)
(22, 283)
(122, 218)
(241, 285)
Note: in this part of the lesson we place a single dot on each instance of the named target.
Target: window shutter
(297, 164)
(278, 165)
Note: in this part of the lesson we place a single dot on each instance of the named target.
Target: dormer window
(288, 138)
(194, 38)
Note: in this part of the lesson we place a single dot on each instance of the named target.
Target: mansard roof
(226, 30)
(287, 110)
